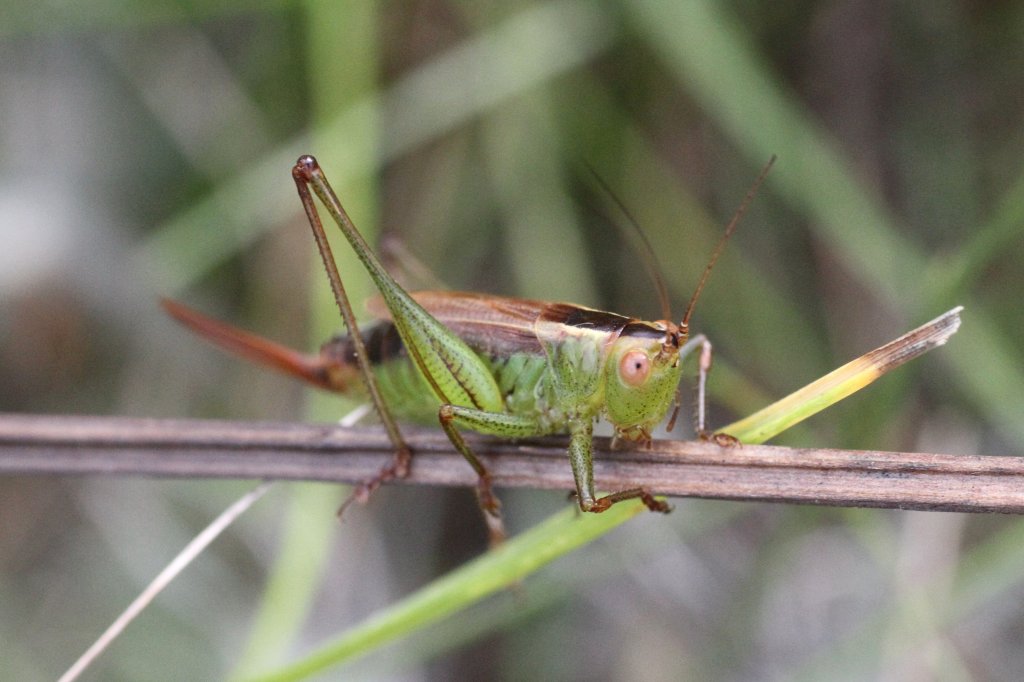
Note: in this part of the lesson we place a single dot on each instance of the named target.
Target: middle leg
(491, 423)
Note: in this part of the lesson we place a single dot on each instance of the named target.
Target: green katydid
(506, 367)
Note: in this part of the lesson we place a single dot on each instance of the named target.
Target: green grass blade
(497, 570)
(955, 275)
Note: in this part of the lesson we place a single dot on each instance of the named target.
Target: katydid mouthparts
(506, 367)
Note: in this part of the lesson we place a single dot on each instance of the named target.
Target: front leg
(703, 370)
(581, 444)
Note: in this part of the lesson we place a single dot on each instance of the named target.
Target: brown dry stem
(83, 445)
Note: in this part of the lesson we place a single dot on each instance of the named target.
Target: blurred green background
(146, 150)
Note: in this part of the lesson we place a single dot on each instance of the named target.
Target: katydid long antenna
(684, 326)
(646, 251)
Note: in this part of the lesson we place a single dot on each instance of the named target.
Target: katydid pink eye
(634, 367)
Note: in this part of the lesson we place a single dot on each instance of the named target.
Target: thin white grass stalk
(355, 416)
(177, 565)
(193, 549)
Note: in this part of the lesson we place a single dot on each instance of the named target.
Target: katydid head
(643, 371)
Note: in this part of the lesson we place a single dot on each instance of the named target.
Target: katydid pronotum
(506, 367)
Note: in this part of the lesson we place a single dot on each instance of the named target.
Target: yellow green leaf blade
(844, 381)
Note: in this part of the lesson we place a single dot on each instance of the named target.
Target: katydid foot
(604, 503)
(723, 440)
(490, 505)
(397, 470)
